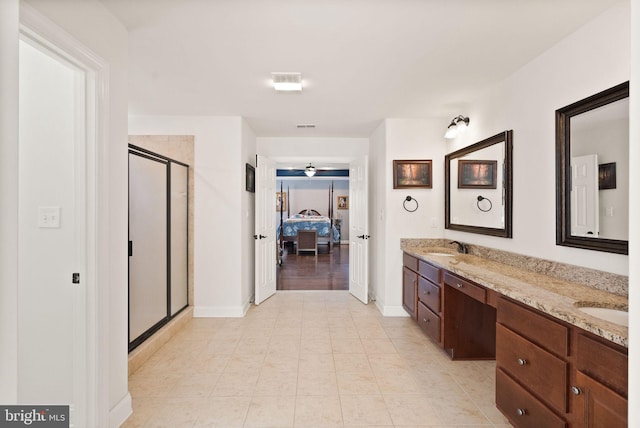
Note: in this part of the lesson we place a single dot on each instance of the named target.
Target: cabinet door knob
(522, 361)
(425, 320)
(521, 412)
(459, 285)
(576, 390)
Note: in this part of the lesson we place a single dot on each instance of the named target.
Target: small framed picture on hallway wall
(343, 202)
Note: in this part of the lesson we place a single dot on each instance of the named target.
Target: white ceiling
(361, 60)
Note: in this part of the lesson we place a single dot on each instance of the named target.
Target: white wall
(313, 149)
(594, 58)
(220, 216)
(93, 26)
(9, 198)
(634, 227)
(406, 139)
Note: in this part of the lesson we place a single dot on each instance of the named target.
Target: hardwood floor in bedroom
(326, 271)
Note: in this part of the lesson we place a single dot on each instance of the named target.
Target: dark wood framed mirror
(592, 172)
(479, 187)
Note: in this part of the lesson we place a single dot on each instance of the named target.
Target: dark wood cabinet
(557, 372)
(409, 290)
(596, 405)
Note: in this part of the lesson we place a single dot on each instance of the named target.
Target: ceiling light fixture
(287, 82)
(310, 170)
(457, 126)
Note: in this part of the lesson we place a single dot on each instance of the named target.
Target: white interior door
(359, 230)
(53, 243)
(265, 229)
(585, 217)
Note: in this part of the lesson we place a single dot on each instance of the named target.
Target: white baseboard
(120, 412)
(220, 311)
(393, 311)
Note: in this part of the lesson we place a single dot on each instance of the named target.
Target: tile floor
(310, 359)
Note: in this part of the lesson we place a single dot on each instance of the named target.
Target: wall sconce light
(458, 125)
(310, 170)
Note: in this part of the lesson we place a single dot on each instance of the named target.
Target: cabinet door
(596, 405)
(409, 291)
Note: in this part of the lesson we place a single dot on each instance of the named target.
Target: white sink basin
(441, 254)
(615, 316)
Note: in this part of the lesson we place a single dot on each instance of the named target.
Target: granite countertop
(556, 297)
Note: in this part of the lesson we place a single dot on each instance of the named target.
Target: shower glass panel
(148, 243)
(179, 211)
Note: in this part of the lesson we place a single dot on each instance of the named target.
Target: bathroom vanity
(556, 364)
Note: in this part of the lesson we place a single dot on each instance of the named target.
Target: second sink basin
(615, 316)
(441, 254)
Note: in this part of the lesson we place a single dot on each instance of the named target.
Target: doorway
(56, 240)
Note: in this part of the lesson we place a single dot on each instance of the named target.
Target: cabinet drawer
(542, 372)
(429, 271)
(603, 362)
(522, 408)
(429, 322)
(410, 262)
(467, 287)
(534, 326)
(429, 294)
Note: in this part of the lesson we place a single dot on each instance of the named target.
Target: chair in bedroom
(307, 240)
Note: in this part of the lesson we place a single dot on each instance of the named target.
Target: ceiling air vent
(305, 126)
(287, 82)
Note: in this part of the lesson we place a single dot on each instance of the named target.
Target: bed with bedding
(307, 219)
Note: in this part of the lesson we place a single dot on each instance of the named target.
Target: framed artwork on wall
(477, 174)
(250, 178)
(343, 202)
(412, 174)
(281, 201)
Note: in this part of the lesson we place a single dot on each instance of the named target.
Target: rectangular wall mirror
(478, 187)
(592, 172)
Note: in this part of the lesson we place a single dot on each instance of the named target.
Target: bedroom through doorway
(319, 207)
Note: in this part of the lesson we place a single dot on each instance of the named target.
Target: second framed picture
(477, 174)
(412, 174)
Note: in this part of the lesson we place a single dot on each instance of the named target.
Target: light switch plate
(49, 217)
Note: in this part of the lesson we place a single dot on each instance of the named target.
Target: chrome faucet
(462, 248)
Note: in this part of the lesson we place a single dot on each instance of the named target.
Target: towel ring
(482, 198)
(409, 199)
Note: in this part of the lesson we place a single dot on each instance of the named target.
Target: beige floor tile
(411, 409)
(364, 410)
(318, 411)
(316, 345)
(317, 383)
(223, 412)
(310, 360)
(347, 345)
(271, 412)
(357, 384)
(378, 346)
(352, 363)
(316, 363)
(276, 382)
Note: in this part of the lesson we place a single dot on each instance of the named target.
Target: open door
(358, 230)
(265, 229)
(585, 219)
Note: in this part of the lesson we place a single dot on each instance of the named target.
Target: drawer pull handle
(521, 412)
(522, 361)
(576, 390)
(459, 285)
(426, 320)
(427, 292)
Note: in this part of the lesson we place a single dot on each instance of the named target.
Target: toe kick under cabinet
(548, 373)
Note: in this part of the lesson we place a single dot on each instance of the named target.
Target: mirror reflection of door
(584, 196)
